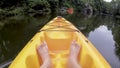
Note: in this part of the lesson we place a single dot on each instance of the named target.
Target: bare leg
(73, 57)
(43, 52)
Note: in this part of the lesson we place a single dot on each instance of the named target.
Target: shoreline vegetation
(9, 8)
(33, 8)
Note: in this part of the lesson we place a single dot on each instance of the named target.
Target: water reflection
(103, 40)
(102, 31)
(14, 35)
(116, 34)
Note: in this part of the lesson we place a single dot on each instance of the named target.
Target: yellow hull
(58, 34)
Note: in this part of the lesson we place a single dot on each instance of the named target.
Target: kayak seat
(58, 41)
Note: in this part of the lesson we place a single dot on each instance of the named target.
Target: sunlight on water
(107, 0)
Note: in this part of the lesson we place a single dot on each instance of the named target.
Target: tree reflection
(14, 35)
(116, 34)
(87, 24)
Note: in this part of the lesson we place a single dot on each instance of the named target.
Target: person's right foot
(74, 50)
(73, 57)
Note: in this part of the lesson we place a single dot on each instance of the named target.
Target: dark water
(102, 31)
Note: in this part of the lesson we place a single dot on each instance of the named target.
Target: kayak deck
(58, 34)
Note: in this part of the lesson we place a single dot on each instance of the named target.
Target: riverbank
(33, 8)
(10, 8)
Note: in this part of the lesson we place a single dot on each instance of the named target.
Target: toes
(75, 44)
(42, 48)
(45, 44)
(75, 47)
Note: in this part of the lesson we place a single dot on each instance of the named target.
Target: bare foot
(73, 57)
(43, 52)
(74, 50)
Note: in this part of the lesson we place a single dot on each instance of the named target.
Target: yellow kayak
(58, 34)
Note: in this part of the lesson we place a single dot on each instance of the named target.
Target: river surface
(103, 31)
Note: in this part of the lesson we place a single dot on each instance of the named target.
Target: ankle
(46, 64)
(46, 60)
(73, 57)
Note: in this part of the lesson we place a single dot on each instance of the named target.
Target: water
(102, 31)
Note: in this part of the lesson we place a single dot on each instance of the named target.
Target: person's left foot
(43, 52)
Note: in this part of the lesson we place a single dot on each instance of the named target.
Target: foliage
(34, 6)
(33, 3)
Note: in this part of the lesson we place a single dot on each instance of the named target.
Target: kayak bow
(58, 34)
